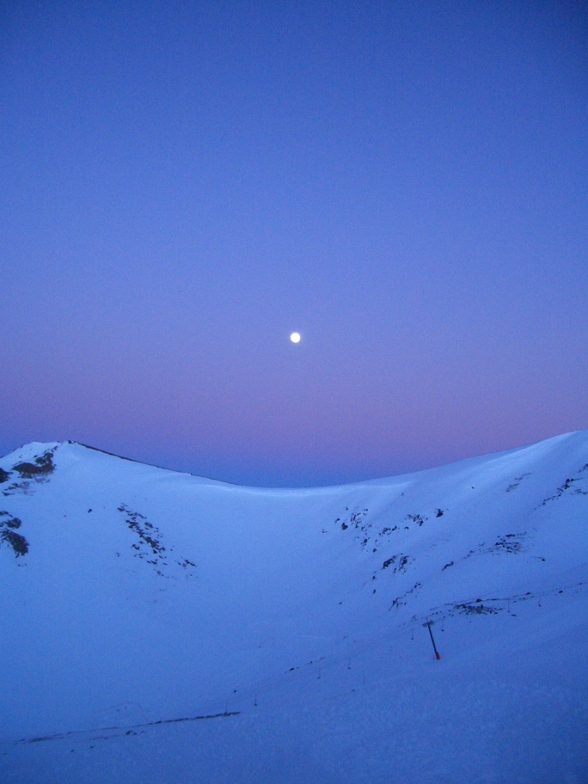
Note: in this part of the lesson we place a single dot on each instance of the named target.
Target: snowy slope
(134, 595)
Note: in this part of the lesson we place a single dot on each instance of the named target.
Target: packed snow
(160, 627)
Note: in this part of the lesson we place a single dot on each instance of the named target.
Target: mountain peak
(134, 594)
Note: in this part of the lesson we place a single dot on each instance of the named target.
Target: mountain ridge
(34, 447)
(142, 586)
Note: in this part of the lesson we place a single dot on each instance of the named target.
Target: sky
(184, 184)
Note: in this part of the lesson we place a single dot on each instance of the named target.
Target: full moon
(295, 337)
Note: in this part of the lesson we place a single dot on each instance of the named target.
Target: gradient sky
(186, 183)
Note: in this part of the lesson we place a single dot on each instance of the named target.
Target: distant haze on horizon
(184, 185)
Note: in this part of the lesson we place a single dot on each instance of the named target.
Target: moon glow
(295, 337)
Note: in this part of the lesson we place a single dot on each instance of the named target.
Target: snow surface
(285, 627)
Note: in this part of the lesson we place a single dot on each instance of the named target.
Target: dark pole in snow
(428, 624)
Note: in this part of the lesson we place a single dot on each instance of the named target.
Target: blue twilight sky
(186, 183)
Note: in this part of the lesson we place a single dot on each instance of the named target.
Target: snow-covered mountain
(161, 627)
